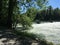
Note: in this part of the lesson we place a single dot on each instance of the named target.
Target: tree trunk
(0, 10)
(10, 13)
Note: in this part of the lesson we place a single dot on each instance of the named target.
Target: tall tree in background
(57, 14)
(50, 12)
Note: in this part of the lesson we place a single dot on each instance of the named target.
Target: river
(50, 30)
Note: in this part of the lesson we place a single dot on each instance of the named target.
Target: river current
(50, 30)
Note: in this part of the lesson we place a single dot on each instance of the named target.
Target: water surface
(50, 30)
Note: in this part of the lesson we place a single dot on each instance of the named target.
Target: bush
(50, 43)
(24, 34)
(25, 21)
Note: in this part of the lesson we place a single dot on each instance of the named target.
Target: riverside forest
(29, 22)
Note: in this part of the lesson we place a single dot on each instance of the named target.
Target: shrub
(25, 21)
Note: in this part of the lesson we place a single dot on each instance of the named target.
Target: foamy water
(50, 30)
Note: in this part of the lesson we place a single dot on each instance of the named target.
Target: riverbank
(7, 37)
(51, 30)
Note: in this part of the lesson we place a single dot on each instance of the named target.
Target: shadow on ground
(8, 38)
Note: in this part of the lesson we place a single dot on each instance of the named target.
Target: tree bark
(10, 13)
(0, 9)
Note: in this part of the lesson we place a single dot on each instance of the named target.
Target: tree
(3, 12)
(31, 14)
(0, 9)
(11, 5)
(56, 14)
(25, 21)
(31, 10)
(50, 12)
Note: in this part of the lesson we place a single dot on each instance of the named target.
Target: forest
(25, 13)
(49, 14)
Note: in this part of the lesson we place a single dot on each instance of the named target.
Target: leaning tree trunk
(10, 13)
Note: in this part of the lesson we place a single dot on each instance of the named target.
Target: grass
(33, 36)
(24, 34)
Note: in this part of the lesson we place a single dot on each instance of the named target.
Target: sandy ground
(8, 38)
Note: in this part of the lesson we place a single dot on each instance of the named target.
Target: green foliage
(31, 13)
(29, 35)
(25, 21)
(58, 44)
(41, 3)
(25, 34)
(50, 43)
(10, 8)
(3, 12)
(49, 14)
(28, 1)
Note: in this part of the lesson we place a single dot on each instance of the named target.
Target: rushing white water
(50, 30)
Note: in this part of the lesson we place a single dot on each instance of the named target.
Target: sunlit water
(50, 30)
